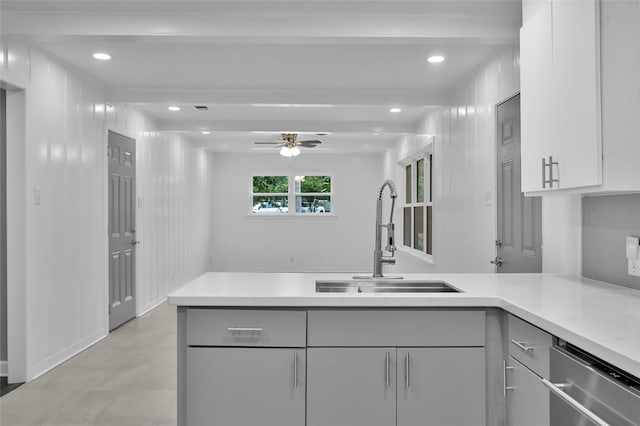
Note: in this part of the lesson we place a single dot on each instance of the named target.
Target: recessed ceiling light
(101, 56)
(395, 109)
(435, 59)
(174, 108)
(293, 105)
(205, 132)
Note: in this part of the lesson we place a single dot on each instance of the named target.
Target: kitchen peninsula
(250, 318)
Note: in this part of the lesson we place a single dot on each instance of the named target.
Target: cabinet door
(576, 93)
(536, 96)
(441, 386)
(527, 399)
(351, 387)
(245, 387)
(560, 96)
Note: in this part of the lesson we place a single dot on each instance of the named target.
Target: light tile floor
(127, 379)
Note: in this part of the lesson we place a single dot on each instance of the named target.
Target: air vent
(201, 107)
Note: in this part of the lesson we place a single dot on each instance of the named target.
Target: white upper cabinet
(580, 95)
(535, 88)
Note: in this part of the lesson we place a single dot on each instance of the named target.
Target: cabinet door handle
(522, 346)
(505, 388)
(407, 367)
(245, 329)
(387, 370)
(556, 388)
(551, 180)
(295, 370)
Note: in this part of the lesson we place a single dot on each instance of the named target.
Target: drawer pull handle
(556, 388)
(522, 346)
(252, 330)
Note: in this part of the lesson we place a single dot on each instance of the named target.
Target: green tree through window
(270, 184)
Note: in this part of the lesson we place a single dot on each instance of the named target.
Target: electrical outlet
(37, 196)
(634, 267)
(633, 256)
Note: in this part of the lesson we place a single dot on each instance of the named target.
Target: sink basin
(385, 286)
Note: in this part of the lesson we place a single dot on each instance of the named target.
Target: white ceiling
(296, 65)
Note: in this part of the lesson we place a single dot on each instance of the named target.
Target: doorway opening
(519, 227)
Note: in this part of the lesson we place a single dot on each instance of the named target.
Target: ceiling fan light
(287, 152)
(295, 151)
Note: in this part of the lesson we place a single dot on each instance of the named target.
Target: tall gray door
(3, 226)
(122, 242)
(519, 239)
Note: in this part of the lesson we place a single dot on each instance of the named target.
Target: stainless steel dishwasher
(587, 391)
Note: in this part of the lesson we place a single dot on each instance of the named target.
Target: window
(418, 205)
(310, 194)
(270, 195)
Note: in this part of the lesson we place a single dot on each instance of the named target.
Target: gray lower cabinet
(351, 386)
(229, 386)
(441, 387)
(396, 386)
(527, 398)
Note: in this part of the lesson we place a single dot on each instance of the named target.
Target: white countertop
(600, 318)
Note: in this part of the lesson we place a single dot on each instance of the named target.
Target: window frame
(292, 194)
(425, 154)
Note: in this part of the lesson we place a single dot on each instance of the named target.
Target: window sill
(306, 216)
(427, 258)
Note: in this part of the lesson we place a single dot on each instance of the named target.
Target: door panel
(121, 153)
(441, 387)
(527, 400)
(519, 217)
(351, 387)
(245, 386)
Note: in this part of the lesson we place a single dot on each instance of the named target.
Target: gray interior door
(519, 239)
(122, 242)
(3, 225)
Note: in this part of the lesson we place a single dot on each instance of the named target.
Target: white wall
(465, 178)
(242, 242)
(63, 270)
(465, 165)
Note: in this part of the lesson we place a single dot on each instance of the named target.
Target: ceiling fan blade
(308, 144)
(268, 143)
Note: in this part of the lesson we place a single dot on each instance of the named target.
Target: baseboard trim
(151, 305)
(70, 351)
(4, 368)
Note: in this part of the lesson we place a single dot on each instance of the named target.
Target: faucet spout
(378, 255)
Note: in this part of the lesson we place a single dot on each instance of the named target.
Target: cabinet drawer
(529, 345)
(405, 328)
(243, 327)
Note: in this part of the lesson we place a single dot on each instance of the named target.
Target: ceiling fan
(289, 144)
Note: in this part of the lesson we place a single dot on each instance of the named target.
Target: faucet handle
(388, 260)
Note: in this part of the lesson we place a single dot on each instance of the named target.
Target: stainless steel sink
(385, 286)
